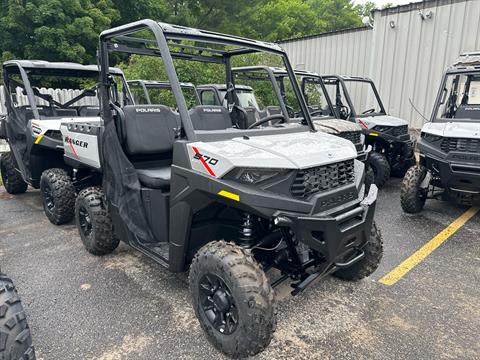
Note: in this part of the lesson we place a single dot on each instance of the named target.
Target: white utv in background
(393, 148)
(197, 190)
(449, 145)
(32, 129)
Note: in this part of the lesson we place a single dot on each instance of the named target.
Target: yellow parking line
(396, 274)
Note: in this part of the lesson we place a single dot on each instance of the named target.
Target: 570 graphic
(209, 160)
(205, 160)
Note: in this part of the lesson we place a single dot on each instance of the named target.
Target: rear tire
(94, 223)
(15, 337)
(226, 282)
(366, 266)
(58, 196)
(381, 168)
(11, 178)
(412, 196)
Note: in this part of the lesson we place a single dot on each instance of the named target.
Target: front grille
(353, 136)
(400, 130)
(392, 130)
(462, 145)
(322, 178)
(54, 134)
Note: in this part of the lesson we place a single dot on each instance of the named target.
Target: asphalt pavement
(125, 306)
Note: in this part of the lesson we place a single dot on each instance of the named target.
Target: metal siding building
(405, 53)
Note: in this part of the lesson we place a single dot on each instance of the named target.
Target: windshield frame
(353, 113)
(437, 104)
(273, 80)
(318, 80)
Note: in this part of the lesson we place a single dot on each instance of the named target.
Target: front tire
(369, 178)
(58, 196)
(94, 223)
(11, 178)
(15, 337)
(381, 168)
(412, 196)
(232, 298)
(366, 266)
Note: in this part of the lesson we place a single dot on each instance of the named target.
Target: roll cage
(166, 43)
(340, 80)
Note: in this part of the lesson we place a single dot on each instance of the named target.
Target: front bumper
(455, 170)
(339, 238)
(454, 175)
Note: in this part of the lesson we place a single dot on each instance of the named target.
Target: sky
(380, 3)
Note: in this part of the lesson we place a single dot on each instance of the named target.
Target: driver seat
(149, 132)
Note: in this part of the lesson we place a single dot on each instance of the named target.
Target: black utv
(357, 99)
(40, 96)
(449, 145)
(198, 191)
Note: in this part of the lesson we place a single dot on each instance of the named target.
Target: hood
(283, 151)
(383, 120)
(336, 126)
(470, 130)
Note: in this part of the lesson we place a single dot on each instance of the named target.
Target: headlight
(252, 175)
(430, 137)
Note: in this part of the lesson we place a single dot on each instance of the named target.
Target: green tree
(133, 10)
(366, 8)
(336, 14)
(61, 30)
(280, 19)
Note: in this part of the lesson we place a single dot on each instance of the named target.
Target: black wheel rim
(217, 304)
(48, 197)
(85, 221)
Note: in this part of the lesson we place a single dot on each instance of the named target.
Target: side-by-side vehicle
(197, 190)
(40, 96)
(357, 99)
(449, 145)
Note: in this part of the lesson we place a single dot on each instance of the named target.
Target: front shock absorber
(248, 232)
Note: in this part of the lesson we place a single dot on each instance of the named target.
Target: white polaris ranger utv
(32, 129)
(197, 191)
(449, 146)
(357, 99)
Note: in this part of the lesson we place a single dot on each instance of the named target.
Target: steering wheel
(344, 112)
(369, 111)
(267, 119)
(316, 112)
(290, 111)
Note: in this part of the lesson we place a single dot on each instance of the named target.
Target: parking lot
(124, 306)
